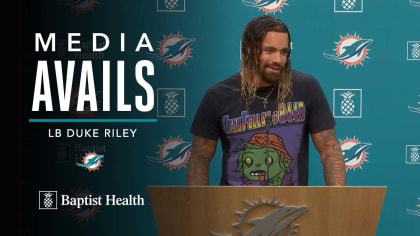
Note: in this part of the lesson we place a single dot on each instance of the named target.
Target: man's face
(275, 48)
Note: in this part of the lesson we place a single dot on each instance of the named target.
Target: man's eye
(285, 51)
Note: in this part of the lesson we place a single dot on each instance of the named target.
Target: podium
(258, 210)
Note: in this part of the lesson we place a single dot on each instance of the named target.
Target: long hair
(252, 39)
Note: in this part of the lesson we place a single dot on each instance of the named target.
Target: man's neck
(263, 84)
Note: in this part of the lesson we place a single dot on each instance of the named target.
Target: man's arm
(198, 166)
(331, 156)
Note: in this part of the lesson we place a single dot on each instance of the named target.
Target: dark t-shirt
(223, 114)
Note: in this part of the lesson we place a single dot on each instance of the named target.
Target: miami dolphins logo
(173, 153)
(416, 4)
(84, 212)
(91, 161)
(277, 219)
(354, 152)
(80, 5)
(268, 6)
(415, 212)
(351, 50)
(415, 109)
(174, 49)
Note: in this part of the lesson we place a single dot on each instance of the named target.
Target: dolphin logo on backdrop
(354, 152)
(415, 109)
(415, 3)
(91, 161)
(80, 5)
(173, 153)
(84, 212)
(174, 49)
(351, 50)
(268, 6)
(415, 212)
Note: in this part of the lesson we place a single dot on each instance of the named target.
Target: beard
(272, 72)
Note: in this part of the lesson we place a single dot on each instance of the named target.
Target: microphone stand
(267, 154)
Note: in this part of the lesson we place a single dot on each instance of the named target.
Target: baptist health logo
(268, 6)
(170, 5)
(347, 103)
(351, 50)
(412, 155)
(174, 49)
(171, 102)
(354, 152)
(348, 6)
(413, 50)
(47, 200)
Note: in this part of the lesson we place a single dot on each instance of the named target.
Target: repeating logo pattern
(268, 6)
(83, 212)
(348, 5)
(171, 5)
(413, 50)
(351, 50)
(174, 49)
(171, 102)
(412, 155)
(81, 6)
(415, 212)
(86, 112)
(91, 161)
(415, 109)
(47, 200)
(63, 153)
(415, 3)
(347, 103)
(354, 152)
(173, 153)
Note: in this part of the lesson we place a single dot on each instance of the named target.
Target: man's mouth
(259, 173)
(273, 68)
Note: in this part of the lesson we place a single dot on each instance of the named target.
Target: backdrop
(365, 54)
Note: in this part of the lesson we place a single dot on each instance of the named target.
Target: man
(263, 116)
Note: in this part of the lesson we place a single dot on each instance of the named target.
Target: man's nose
(279, 58)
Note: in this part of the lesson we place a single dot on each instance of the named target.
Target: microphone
(267, 132)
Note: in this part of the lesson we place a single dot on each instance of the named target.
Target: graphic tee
(243, 132)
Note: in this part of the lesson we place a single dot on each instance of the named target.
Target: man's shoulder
(302, 77)
(229, 84)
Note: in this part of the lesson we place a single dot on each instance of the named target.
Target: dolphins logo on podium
(278, 221)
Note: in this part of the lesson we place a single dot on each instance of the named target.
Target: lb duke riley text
(92, 133)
